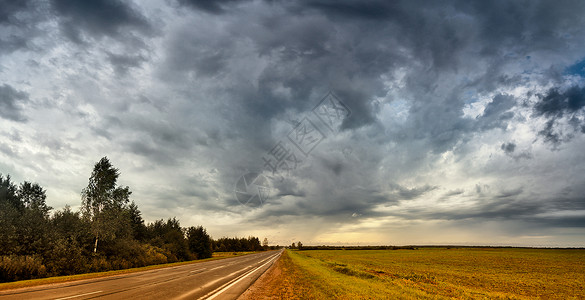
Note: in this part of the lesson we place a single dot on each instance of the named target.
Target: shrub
(14, 268)
(65, 258)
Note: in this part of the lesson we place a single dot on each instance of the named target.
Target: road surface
(218, 279)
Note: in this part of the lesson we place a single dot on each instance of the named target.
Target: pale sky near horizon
(461, 122)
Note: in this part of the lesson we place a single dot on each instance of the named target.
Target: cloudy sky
(458, 122)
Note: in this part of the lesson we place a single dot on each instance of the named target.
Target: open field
(427, 273)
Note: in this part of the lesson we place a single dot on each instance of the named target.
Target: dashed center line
(80, 295)
(221, 289)
(198, 270)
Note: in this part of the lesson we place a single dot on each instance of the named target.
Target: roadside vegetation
(285, 280)
(429, 273)
(107, 233)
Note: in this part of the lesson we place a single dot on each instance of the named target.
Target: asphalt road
(218, 279)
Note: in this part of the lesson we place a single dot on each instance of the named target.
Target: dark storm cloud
(340, 203)
(289, 188)
(299, 48)
(376, 10)
(510, 193)
(367, 56)
(336, 166)
(13, 43)
(550, 135)
(158, 141)
(9, 8)
(122, 63)
(347, 47)
(516, 204)
(315, 190)
(80, 20)
(404, 193)
(353, 48)
(537, 213)
(503, 204)
(523, 26)
(232, 74)
(433, 26)
(554, 106)
(205, 52)
(508, 147)
(210, 6)
(496, 210)
(11, 102)
(440, 122)
(18, 24)
(560, 221)
(452, 193)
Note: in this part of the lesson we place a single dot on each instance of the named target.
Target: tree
(300, 245)
(265, 243)
(11, 209)
(136, 222)
(33, 225)
(253, 244)
(103, 201)
(24, 217)
(69, 249)
(169, 235)
(199, 242)
(68, 224)
(9, 194)
(33, 196)
(293, 246)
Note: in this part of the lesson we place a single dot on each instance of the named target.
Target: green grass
(435, 273)
(59, 279)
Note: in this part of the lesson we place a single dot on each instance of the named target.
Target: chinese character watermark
(331, 111)
(306, 136)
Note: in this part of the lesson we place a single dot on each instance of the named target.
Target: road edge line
(241, 277)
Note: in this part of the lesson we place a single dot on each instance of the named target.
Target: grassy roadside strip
(60, 279)
(296, 276)
(284, 280)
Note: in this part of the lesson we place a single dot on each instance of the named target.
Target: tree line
(107, 233)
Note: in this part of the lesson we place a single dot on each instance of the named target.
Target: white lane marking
(241, 278)
(198, 270)
(211, 283)
(80, 295)
(242, 272)
(217, 268)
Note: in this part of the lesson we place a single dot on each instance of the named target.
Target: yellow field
(429, 273)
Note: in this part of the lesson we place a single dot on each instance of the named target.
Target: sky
(389, 122)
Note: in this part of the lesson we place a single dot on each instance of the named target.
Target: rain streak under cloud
(465, 123)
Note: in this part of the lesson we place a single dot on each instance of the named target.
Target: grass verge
(284, 280)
